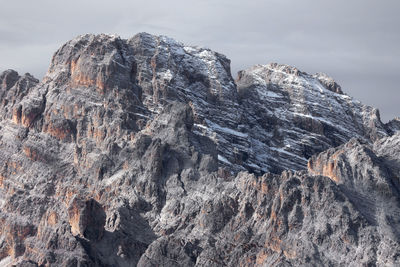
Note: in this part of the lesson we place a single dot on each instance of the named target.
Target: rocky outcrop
(393, 126)
(297, 218)
(13, 88)
(86, 218)
(146, 152)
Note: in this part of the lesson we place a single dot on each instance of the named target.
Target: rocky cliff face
(294, 115)
(146, 152)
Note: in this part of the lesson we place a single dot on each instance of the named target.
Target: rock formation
(147, 152)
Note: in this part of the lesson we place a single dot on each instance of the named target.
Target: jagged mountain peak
(302, 113)
(138, 152)
(267, 73)
(9, 78)
(250, 121)
(328, 82)
(393, 125)
(278, 67)
(13, 89)
(100, 61)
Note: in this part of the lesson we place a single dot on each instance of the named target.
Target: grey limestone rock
(146, 152)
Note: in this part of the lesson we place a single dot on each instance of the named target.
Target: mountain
(147, 152)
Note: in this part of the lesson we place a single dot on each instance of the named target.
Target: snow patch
(141, 115)
(225, 130)
(119, 64)
(166, 75)
(268, 94)
(189, 49)
(117, 176)
(252, 165)
(280, 150)
(201, 126)
(224, 160)
(6, 261)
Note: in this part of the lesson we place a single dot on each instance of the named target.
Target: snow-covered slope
(291, 115)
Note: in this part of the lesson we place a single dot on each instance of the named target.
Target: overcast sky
(354, 41)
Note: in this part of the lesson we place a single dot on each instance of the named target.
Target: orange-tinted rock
(28, 117)
(16, 116)
(15, 237)
(52, 219)
(2, 179)
(32, 153)
(61, 129)
(325, 167)
(262, 257)
(86, 218)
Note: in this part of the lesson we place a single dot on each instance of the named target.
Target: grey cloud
(355, 41)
